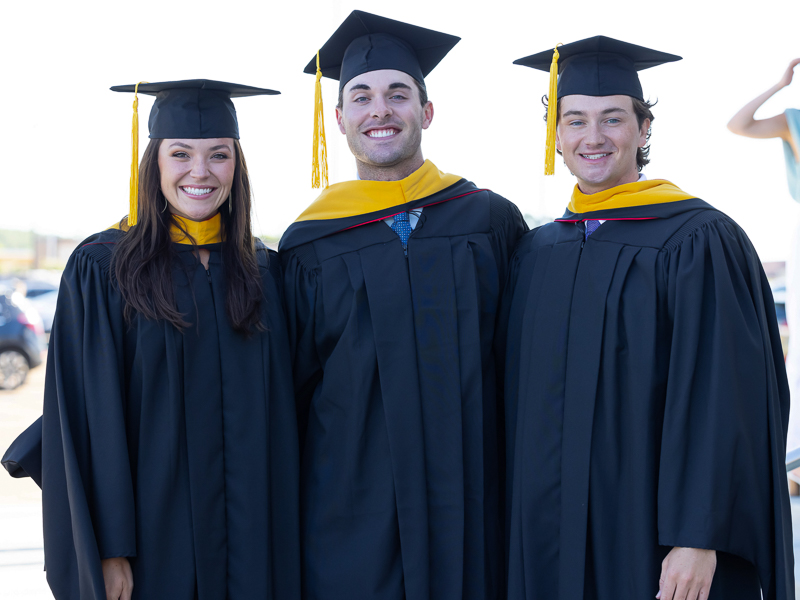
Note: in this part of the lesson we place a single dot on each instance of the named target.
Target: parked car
(40, 289)
(44, 301)
(21, 339)
(36, 287)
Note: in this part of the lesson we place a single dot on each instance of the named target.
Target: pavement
(21, 552)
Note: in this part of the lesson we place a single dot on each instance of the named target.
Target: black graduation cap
(599, 66)
(365, 42)
(194, 108)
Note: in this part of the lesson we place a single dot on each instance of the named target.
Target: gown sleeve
(284, 467)
(507, 226)
(24, 456)
(507, 351)
(87, 489)
(722, 481)
(507, 229)
(301, 292)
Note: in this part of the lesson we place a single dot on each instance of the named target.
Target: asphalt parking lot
(21, 554)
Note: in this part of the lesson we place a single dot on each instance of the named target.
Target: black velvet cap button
(365, 42)
(599, 66)
(194, 108)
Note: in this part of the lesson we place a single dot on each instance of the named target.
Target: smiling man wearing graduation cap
(645, 393)
(392, 286)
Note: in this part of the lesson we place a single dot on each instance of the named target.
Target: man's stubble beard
(396, 155)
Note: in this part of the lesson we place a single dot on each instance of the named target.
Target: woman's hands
(744, 122)
(118, 578)
(787, 76)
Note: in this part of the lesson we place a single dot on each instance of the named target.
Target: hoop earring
(230, 203)
(165, 204)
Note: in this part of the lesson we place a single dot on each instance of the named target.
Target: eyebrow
(393, 86)
(608, 111)
(188, 147)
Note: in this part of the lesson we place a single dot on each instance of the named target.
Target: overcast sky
(66, 164)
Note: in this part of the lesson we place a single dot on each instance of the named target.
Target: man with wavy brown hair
(645, 392)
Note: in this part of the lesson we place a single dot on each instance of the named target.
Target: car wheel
(13, 369)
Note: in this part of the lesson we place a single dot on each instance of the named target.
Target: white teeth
(380, 133)
(197, 191)
(594, 156)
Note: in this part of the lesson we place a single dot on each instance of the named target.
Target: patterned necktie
(402, 228)
(591, 227)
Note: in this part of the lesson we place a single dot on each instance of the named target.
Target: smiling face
(196, 175)
(599, 137)
(383, 119)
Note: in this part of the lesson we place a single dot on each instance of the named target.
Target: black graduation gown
(397, 398)
(24, 456)
(646, 407)
(178, 451)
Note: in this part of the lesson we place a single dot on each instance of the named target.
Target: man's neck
(589, 189)
(391, 173)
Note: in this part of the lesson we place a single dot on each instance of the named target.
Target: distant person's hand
(787, 76)
(118, 578)
(744, 122)
(686, 574)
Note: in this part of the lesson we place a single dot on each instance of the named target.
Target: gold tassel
(133, 211)
(552, 113)
(319, 161)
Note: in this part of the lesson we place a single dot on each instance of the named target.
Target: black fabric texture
(365, 42)
(395, 377)
(646, 407)
(176, 450)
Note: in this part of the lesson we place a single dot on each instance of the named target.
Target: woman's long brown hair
(142, 260)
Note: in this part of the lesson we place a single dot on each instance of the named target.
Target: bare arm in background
(744, 123)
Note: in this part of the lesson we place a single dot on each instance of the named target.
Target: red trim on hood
(618, 219)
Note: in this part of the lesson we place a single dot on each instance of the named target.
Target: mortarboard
(363, 43)
(193, 108)
(188, 109)
(597, 66)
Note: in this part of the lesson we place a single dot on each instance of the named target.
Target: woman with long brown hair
(169, 444)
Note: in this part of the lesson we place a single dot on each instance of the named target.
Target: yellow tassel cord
(133, 211)
(319, 161)
(552, 113)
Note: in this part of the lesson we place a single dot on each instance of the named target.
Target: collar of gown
(203, 232)
(358, 197)
(638, 193)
